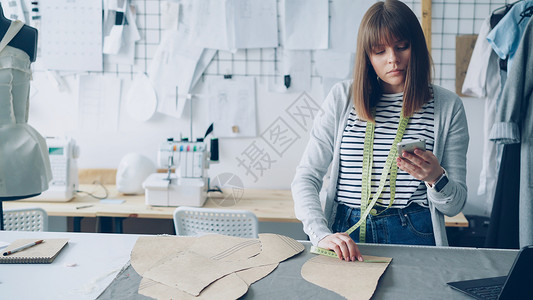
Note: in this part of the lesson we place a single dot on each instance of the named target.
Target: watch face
(441, 183)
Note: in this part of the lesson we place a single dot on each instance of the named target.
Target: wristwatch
(441, 182)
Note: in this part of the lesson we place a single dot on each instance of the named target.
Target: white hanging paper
(252, 24)
(141, 101)
(126, 54)
(71, 35)
(172, 71)
(232, 107)
(297, 65)
(306, 24)
(346, 15)
(98, 103)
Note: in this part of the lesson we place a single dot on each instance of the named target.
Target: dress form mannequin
(25, 170)
(25, 40)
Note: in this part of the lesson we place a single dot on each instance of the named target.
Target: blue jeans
(410, 226)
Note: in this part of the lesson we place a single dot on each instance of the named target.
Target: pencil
(84, 206)
(22, 247)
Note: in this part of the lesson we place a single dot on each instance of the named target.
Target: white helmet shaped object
(133, 169)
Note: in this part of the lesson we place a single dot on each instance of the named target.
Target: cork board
(464, 45)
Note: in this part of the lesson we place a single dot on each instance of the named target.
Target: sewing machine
(63, 153)
(187, 185)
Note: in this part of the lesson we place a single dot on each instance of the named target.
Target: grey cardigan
(514, 124)
(450, 147)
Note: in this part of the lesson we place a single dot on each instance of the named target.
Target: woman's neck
(391, 89)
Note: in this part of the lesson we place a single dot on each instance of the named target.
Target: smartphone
(411, 145)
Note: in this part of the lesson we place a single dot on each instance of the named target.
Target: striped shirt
(388, 112)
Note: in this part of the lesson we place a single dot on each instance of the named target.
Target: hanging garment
(495, 18)
(482, 80)
(24, 163)
(505, 37)
(504, 226)
(515, 125)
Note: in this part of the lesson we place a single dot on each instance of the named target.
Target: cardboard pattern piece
(213, 264)
(352, 280)
(227, 287)
(150, 250)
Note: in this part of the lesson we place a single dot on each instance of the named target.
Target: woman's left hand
(422, 165)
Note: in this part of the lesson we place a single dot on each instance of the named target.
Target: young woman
(402, 197)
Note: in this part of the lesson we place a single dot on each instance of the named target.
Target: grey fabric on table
(416, 272)
(124, 286)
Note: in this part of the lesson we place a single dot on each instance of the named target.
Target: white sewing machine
(187, 185)
(63, 153)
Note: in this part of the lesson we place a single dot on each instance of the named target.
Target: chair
(26, 219)
(195, 221)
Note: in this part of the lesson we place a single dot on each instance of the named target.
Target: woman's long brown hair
(383, 23)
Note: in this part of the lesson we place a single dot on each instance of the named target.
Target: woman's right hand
(343, 245)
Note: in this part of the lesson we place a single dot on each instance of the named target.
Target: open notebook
(43, 253)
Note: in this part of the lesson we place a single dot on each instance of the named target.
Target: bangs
(383, 30)
(384, 24)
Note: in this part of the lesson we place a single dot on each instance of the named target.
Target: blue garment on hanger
(506, 36)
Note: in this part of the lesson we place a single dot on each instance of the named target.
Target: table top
(267, 205)
(82, 270)
(423, 269)
(98, 258)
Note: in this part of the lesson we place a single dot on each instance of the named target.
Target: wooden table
(267, 205)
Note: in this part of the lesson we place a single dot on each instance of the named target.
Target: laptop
(516, 285)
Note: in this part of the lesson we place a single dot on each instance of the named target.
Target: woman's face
(390, 64)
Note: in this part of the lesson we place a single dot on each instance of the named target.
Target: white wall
(54, 113)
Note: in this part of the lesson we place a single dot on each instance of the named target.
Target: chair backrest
(195, 221)
(26, 219)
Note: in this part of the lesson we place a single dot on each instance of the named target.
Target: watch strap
(441, 183)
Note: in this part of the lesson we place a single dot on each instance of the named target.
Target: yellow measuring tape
(367, 207)
(322, 251)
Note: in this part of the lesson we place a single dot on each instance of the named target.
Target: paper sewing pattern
(141, 101)
(231, 24)
(306, 24)
(125, 43)
(98, 103)
(353, 280)
(227, 287)
(71, 35)
(233, 108)
(231, 286)
(214, 264)
(208, 24)
(171, 72)
(346, 15)
(252, 24)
